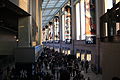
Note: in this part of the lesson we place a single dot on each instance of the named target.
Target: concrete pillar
(99, 12)
(60, 30)
(24, 32)
(73, 25)
(40, 22)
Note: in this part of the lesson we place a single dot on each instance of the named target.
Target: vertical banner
(56, 28)
(51, 31)
(90, 22)
(43, 34)
(68, 23)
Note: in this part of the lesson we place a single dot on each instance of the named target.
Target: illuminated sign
(90, 40)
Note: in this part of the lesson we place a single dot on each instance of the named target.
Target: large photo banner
(90, 21)
(67, 23)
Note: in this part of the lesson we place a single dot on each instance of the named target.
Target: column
(60, 30)
(40, 22)
(99, 12)
(24, 31)
(73, 25)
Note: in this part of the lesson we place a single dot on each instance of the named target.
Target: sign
(90, 40)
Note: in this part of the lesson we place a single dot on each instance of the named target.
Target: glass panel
(78, 21)
(82, 20)
(106, 30)
(52, 5)
(117, 1)
(63, 30)
(59, 4)
(108, 4)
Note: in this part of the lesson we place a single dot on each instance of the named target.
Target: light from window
(63, 26)
(82, 20)
(108, 4)
(78, 21)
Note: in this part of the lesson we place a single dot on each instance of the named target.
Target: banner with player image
(90, 23)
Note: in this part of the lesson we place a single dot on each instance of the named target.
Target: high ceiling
(50, 8)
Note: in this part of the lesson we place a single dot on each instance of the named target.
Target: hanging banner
(67, 23)
(51, 33)
(56, 28)
(90, 21)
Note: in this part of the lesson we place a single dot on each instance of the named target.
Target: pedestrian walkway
(90, 74)
(61, 67)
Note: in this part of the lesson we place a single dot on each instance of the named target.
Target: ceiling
(50, 9)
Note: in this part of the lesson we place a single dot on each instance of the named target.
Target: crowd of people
(53, 65)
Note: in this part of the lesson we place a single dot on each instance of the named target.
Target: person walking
(86, 66)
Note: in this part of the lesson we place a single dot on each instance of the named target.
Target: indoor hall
(59, 39)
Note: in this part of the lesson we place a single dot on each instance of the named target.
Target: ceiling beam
(50, 8)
